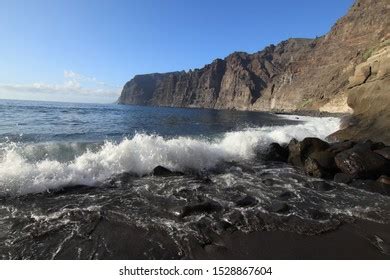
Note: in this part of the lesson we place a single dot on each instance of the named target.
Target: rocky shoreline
(263, 209)
(361, 164)
(364, 165)
(281, 234)
(311, 113)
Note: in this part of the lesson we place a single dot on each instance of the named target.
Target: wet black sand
(351, 241)
(358, 240)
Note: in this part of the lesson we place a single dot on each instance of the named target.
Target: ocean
(76, 183)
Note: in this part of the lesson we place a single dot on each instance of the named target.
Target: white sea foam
(140, 154)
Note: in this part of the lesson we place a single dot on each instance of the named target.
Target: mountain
(318, 74)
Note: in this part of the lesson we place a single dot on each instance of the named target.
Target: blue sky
(84, 50)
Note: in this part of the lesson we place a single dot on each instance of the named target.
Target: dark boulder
(320, 164)
(294, 156)
(279, 207)
(325, 159)
(342, 178)
(372, 145)
(300, 151)
(366, 145)
(384, 152)
(246, 201)
(312, 144)
(162, 171)
(313, 168)
(276, 152)
(361, 162)
(206, 207)
(338, 147)
(377, 146)
(294, 150)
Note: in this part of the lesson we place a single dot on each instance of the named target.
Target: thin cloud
(69, 74)
(74, 84)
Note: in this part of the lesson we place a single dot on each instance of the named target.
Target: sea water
(75, 179)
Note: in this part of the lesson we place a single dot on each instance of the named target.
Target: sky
(86, 50)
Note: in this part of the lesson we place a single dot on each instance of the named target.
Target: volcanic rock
(320, 164)
(338, 147)
(162, 171)
(385, 152)
(300, 151)
(276, 152)
(360, 162)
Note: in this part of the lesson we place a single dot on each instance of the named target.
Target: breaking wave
(40, 167)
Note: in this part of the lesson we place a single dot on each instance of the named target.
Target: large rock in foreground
(360, 162)
(320, 164)
(299, 151)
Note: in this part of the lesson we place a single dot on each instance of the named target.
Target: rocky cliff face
(297, 74)
(369, 97)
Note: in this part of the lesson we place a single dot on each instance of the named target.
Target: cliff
(296, 74)
(369, 97)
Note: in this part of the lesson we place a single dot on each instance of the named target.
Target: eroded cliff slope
(369, 96)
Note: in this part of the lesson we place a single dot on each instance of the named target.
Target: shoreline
(353, 241)
(360, 164)
(310, 113)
